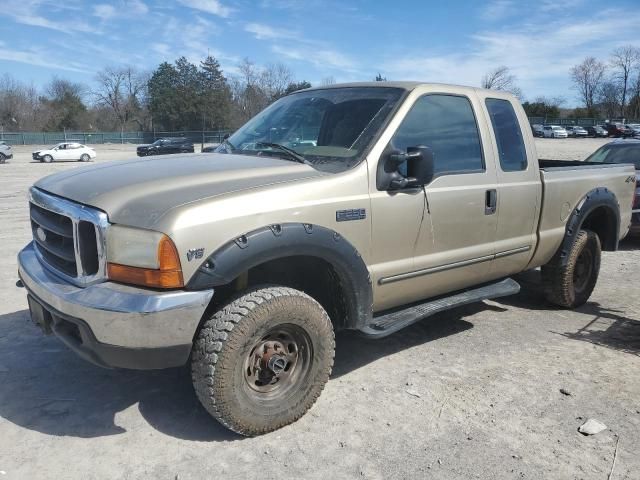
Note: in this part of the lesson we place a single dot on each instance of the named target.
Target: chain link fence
(50, 138)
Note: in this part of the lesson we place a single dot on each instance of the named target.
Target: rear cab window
(506, 128)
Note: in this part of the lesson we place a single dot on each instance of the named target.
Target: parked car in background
(597, 131)
(555, 131)
(577, 132)
(5, 152)
(623, 151)
(618, 130)
(69, 151)
(164, 146)
(209, 148)
(538, 130)
(635, 128)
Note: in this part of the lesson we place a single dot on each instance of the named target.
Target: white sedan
(554, 131)
(65, 151)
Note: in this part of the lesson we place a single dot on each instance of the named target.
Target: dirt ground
(472, 393)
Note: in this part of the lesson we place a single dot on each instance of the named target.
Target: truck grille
(69, 237)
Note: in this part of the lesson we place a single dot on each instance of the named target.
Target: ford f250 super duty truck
(360, 206)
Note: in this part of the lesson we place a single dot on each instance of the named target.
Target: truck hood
(139, 192)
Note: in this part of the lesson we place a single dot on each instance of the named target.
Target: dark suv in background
(163, 146)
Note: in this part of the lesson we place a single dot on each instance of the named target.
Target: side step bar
(388, 323)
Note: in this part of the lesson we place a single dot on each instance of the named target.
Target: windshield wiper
(292, 154)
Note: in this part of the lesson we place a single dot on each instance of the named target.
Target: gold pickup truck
(364, 206)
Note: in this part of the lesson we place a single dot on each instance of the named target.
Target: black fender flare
(596, 198)
(293, 239)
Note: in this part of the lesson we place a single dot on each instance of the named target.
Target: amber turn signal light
(168, 275)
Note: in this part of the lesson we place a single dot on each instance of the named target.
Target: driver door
(441, 239)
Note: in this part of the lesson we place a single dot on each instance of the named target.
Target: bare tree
(501, 78)
(122, 89)
(608, 97)
(274, 80)
(587, 78)
(20, 107)
(623, 61)
(327, 81)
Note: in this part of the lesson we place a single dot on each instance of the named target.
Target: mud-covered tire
(571, 285)
(224, 354)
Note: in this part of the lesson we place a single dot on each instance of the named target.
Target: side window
(513, 156)
(447, 124)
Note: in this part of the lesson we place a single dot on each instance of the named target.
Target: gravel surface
(472, 393)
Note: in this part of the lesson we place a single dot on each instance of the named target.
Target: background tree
(608, 98)
(544, 107)
(587, 78)
(122, 90)
(65, 107)
(380, 78)
(295, 86)
(216, 95)
(501, 78)
(624, 61)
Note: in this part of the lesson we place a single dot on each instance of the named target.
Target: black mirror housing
(420, 165)
(420, 169)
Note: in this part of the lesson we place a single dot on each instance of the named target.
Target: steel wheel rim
(277, 363)
(582, 270)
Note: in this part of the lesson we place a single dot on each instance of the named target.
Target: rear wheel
(261, 362)
(2, 158)
(571, 285)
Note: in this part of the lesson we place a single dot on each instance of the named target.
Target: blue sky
(454, 42)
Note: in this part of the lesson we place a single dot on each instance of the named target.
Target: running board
(389, 323)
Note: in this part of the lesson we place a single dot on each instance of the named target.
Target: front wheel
(2, 158)
(571, 285)
(84, 157)
(260, 362)
(47, 159)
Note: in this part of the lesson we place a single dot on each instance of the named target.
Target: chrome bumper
(117, 315)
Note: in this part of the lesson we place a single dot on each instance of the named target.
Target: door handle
(491, 202)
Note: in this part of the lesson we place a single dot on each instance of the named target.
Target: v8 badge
(196, 253)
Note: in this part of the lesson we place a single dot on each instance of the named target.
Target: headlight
(142, 257)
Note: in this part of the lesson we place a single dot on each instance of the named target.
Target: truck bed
(564, 185)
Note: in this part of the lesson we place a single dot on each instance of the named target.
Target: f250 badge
(196, 253)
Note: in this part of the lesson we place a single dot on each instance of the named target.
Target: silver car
(5, 151)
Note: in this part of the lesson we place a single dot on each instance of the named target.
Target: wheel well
(312, 275)
(601, 221)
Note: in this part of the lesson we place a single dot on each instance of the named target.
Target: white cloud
(39, 60)
(261, 31)
(319, 57)
(539, 53)
(498, 10)
(104, 11)
(209, 6)
(137, 7)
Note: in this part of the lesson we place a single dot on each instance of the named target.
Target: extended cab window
(447, 124)
(513, 156)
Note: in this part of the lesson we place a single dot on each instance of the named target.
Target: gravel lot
(473, 393)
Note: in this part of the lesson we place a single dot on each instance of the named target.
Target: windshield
(617, 154)
(330, 129)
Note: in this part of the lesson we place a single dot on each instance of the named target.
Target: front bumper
(114, 325)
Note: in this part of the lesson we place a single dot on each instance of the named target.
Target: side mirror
(420, 169)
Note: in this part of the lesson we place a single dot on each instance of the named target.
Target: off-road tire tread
(212, 338)
(558, 279)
